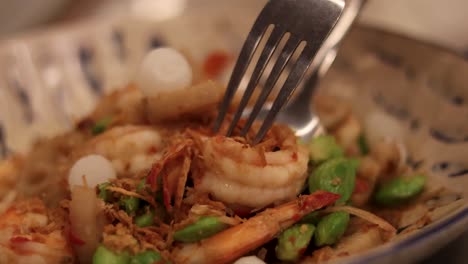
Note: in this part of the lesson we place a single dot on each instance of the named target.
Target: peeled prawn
(238, 174)
(237, 241)
(125, 106)
(129, 148)
(28, 235)
(192, 101)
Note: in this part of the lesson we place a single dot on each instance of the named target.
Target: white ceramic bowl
(48, 80)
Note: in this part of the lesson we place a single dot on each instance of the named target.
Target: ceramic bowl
(50, 79)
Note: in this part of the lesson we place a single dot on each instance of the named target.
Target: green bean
(147, 257)
(311, 218)
(130, 204)
(323, 148)
(101, 125)
(293, 242)
(103, 255)
(103, 193)
(336, 176)
(331, 228)
(146, 219)
(400, 190)
(206, 226)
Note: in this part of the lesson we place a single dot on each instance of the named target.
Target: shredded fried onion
(130, 193)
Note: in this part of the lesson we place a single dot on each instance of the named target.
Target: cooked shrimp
(237, 241)
(129, 148)
(165, 79)
(234, 172)
(347, 134)
(390, 156)
(193, 101)
(331, 110)
(124, 106)
(367, 176)
(29, 235)
(337, 117)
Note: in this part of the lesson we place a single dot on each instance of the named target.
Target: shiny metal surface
(305, 21)
(298, 114)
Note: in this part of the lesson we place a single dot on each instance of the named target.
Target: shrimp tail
(237, 241)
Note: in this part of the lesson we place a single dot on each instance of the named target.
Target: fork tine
(265, 57)
(278, 68)
(295, 76)
(247, 51)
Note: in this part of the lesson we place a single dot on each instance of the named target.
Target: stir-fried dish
(143, 179)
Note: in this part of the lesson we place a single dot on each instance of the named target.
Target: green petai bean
(323, 148)
(336, 176)
(103, 193)
(311, 218)
(331, 228)
(400, 190)
(146, 219)
(293, 242)
(130, 204)
(204, 227)
(147, 257)
(102, 255)
(101, 125)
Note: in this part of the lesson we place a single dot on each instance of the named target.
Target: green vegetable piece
(293, 242)
(147, 257)
(130, 204)
(400, 190)
(311, 218)
(101, 125)
(103, 193)
(336, 176)
(206, 226)
(146, 219)
(363, 146)
(331, 228)
(323, 148)
(103, 255)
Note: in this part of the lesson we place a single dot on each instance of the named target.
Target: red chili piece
(215, 63)
(75, 239)
(361, 186)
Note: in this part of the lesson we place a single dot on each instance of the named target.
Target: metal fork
(308, 21)
(297, 113)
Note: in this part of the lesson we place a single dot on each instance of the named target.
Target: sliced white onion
(84, 214)
(94, 168)
(403, 154)
(163, 69)
(368, 216)
(249, 260)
